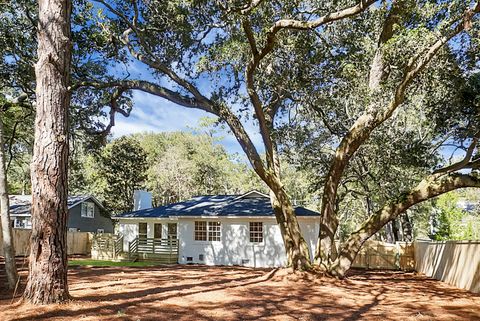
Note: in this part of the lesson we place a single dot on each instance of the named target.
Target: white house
(219, 230)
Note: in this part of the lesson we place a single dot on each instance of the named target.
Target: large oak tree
(182, 43)
(258, 58)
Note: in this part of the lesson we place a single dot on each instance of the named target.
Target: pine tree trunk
(8, 246)
(47, 280)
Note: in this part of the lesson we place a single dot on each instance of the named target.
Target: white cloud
(155, 114)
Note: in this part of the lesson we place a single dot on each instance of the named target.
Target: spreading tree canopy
(361, 69)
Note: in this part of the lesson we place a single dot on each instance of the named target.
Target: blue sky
(154, 114)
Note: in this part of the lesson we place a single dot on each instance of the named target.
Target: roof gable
(253, 194)
(76, 200)
(21, 205)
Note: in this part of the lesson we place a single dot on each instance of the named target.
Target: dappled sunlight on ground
(235, 293)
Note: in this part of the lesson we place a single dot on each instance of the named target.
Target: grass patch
(89, 262)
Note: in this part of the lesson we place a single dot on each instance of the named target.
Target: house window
(214, 231)
(172, 230)
(142, 232)
(207, 231)
(157, 231)
(18, 223)
(73, 229)
(256, 232)
(200, 231)
(22, 223)
(88, 209)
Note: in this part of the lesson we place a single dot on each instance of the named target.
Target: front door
(157, 230)
(142, 233)
(172, 230)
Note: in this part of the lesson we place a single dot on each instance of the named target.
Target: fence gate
(389, 256)
(107, 246)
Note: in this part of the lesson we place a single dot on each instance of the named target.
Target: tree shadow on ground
(231, 293)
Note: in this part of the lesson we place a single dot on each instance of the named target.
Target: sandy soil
(235, 293)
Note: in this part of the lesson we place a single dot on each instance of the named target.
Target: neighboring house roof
(21, 205)
(218, 205)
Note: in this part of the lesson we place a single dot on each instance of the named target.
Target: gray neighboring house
(85, 214)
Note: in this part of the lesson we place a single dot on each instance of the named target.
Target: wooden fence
(106, 246)
(380, 255)
(454, 262)
(77, 242)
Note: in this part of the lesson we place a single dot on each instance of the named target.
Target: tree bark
(372, 118)
(428, 188)
(47, 280)
(8, 246)
(326, 250)
(296, 248)
(406, 227)
(395, 231)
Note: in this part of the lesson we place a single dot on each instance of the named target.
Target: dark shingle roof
(218, 205)
(20, 205)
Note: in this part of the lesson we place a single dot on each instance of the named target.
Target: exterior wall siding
(88, 224)
(234, 248)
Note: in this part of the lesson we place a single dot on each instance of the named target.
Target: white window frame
(88, 209)
(256, 236)
(22, 222)
(18, 223)
(198, 231)
(213, 231)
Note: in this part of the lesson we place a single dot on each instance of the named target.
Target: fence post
(367, 254)
(397, 255)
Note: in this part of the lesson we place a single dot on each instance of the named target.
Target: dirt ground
(235, 293)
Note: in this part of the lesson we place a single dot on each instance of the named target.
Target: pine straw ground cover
(235, 293)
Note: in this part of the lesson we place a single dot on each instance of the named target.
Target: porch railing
(154, 249)
(133, 250)
(118, 245)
